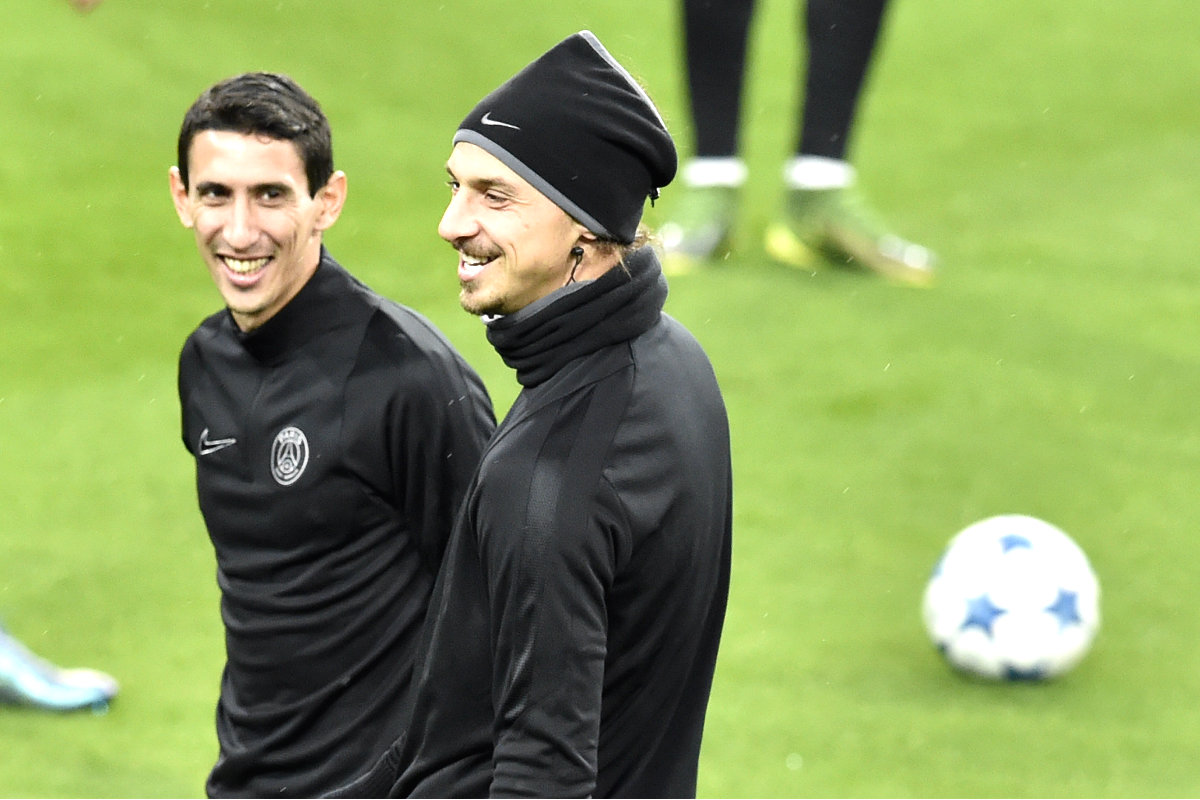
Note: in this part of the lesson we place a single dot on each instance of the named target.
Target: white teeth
(245, 267)
(472, 266)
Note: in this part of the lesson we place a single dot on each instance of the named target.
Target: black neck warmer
(581, 318)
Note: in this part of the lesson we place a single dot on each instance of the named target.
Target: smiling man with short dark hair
(334, 433)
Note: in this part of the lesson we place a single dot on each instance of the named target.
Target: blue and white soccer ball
(1013, 598)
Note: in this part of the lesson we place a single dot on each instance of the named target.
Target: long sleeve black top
(333, 446)
(574, 627)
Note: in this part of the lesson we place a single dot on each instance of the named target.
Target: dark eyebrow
(281, 188)
(211, 187)
(486, 184)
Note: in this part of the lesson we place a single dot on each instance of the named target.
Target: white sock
(704, 172)
(817, 172)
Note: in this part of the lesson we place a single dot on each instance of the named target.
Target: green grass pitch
(1049, 153)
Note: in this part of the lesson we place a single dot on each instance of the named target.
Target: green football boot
(835, 225)
(698, 229)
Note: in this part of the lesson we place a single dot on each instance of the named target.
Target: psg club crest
(289, 456)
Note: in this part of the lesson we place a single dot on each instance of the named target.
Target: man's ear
(179, 196)
(598, 257)
(332, 196)
(586, 238)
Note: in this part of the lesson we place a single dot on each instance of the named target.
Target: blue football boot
(27, 680)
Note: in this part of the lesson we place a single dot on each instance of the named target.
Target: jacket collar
(581, 318)
(306, 315)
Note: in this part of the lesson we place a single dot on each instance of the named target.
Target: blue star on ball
(982, 614)
(1012, 541)
(1066, 608)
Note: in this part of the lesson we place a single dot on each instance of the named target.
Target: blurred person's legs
(823, 216)
(715, 34)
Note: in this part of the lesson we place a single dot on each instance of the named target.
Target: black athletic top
(333, 446)
(574, 627)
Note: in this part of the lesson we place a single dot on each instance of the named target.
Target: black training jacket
(333, 446)
(574, 627)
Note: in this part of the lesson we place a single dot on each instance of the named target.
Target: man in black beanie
(573, 631)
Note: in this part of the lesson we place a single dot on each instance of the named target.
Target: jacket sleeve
(438, 426)
(184, 378)
(550, 549)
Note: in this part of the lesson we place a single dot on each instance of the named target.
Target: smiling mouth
(244, 266)
(469, 267)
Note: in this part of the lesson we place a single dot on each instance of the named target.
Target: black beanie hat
(579, 128)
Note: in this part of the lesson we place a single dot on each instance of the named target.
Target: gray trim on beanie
(577, 126)
(602, 51)
(536, 181)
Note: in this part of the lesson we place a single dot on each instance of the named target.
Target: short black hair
(266, 104)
